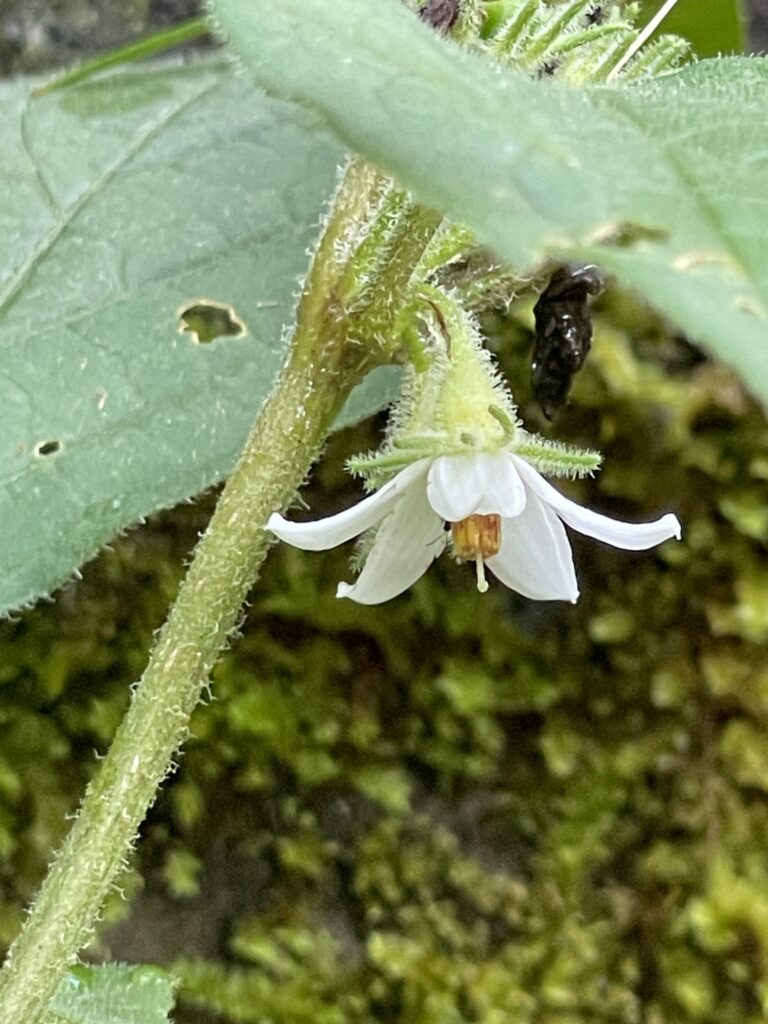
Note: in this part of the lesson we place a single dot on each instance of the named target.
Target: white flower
(502, 513)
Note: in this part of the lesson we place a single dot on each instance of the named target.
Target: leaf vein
(15, 285)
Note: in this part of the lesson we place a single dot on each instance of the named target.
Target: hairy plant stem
(322, 367)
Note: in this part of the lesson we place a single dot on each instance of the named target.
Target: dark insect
(595, 14)
(440, 14)
(563, 333)
(548, 68)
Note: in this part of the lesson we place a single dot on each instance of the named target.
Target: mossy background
(454, 807)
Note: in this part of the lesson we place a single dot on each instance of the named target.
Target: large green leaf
(121, 202)
(539, 169)
(113, 994)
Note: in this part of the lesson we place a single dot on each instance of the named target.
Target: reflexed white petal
(461, 485)
(535, 556)
(406, 542)
(327, 533)
(630, 536)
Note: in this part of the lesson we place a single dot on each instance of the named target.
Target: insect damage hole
(43, 448)
(206, 320)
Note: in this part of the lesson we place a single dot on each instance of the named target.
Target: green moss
(456, 807)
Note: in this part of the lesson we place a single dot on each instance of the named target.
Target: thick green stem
(289, 432)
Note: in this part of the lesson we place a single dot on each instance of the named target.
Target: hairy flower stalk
(330, 350)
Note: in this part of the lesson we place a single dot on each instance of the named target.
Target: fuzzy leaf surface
(113, 994)
(678, 164)
(122, 202)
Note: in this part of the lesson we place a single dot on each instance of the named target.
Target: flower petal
(406, 542)
(630, 536)
(535, 555)
(484, 483)
(322, 534)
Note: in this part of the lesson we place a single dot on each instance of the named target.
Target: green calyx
(458, 404)
(574, 41)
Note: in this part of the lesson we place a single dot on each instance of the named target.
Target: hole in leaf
(206, 320)
(47, 447)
